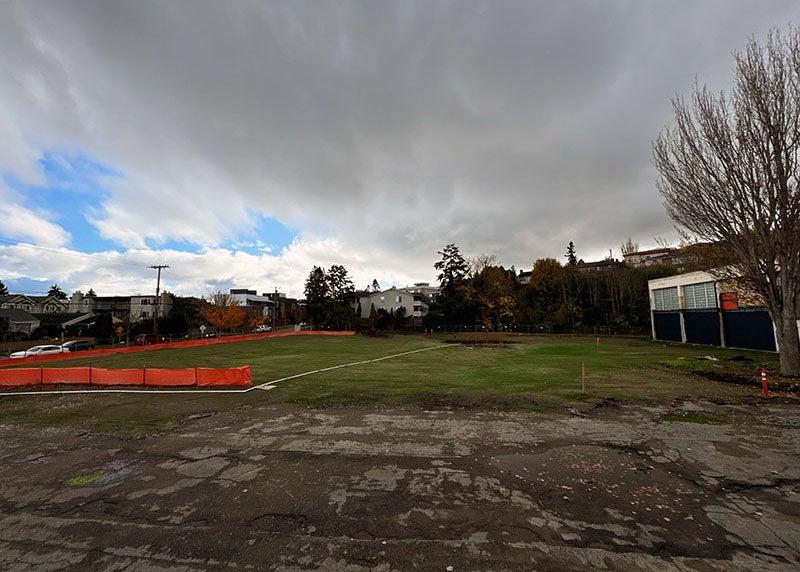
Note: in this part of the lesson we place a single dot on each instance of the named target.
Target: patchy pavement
(288, 488)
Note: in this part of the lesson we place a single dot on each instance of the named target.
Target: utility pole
(158, 267)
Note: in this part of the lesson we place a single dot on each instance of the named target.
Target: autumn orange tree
(223, 311)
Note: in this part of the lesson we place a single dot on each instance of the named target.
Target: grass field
(519, 372)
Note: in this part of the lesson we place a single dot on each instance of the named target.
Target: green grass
(529, 372)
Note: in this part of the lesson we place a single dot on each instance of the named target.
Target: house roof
(607, 262)
(34, 299)
(17, 316)
(57, 319)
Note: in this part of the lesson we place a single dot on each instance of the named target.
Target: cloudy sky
(243, 142)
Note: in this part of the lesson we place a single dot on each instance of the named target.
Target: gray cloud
(508, 127)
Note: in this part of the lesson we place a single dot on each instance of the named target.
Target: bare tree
(629, 246)
(729, 175)
(481, 261)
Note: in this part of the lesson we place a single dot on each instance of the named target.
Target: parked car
(262, 328)
(78, 345)
(40, 351)
(149, 339)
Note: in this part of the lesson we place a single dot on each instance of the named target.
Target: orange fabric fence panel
(20, 377)
(235, 376)
(73, 375)
(101, 376)
(155, 377)
(169, 377)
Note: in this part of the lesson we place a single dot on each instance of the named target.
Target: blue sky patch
(75, 187)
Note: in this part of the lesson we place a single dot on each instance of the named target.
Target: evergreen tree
(316, 294)
(453, 304)
(55, 290)
(453, 268)
(3, 289)
(103, 327)
(340, 287)
(375, 286)
(572, 259)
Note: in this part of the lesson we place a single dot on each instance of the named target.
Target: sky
(243, 142)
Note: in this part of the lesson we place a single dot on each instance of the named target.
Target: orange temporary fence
(51, 376)
(234, 376)
(156, 377)
(179, 344)
(127, 376)
(170, 377)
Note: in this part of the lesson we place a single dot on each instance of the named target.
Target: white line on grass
(270, 384)
(264, 386)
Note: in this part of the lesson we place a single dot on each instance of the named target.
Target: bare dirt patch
(254, 484)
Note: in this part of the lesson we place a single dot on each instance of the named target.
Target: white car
(40, 351)
(263, 328)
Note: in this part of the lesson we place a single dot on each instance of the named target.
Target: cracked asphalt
(263, 486)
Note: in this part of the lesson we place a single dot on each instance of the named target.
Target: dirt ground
(246, 484)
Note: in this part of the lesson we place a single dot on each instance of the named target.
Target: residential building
(428, 292)
(252, 302)
(415, 303)
(607, 265)
(655, 256)
(524, 276)
(143, 307)
(19, 320)
(117, 306)
(699, 308)
(133, 308)
(34, 304)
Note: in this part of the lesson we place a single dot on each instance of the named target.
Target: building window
(701, 295)
(398, 299)
(666, 298)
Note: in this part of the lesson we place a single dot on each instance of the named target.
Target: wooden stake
(597, 342)
(583, 377)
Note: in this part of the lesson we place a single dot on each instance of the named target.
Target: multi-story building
(252, 302)
(133, 308)
(655, 256)
(415, 300)
(423, 288)
(34, 304)
(607, 265)
(143, 307)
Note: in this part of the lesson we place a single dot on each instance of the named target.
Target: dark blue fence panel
(749, 329)
(667, 326)
(702, 327)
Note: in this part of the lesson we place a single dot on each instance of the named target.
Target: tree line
(484, 293)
